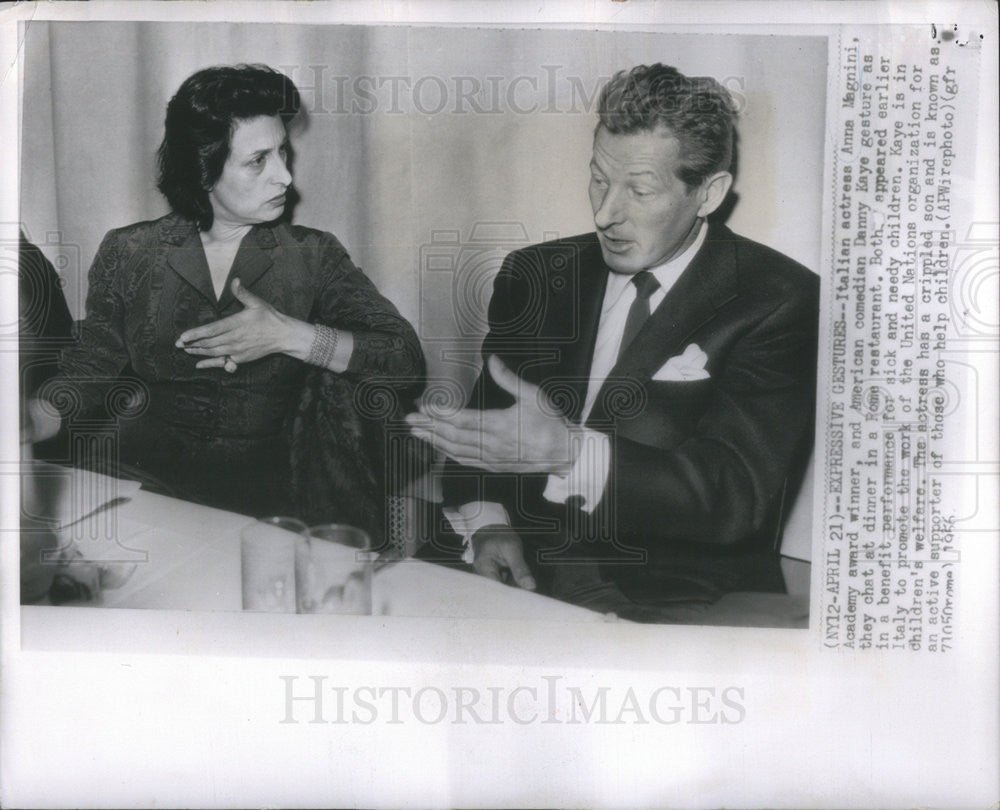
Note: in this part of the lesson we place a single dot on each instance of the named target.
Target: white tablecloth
(187, 557)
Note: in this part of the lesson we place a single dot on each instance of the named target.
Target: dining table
(159, 552)
(158, 564)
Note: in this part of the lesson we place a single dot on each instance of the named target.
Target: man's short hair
(696, 110)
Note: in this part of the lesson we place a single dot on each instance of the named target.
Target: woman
(215, 312)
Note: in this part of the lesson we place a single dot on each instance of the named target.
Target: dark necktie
(645, 285)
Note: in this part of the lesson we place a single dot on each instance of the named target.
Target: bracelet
(324, 346)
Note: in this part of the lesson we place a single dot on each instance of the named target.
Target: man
(44, 327)
(648, 389)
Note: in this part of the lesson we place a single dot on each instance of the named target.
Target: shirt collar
(666, 273)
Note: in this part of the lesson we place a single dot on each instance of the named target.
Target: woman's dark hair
(199, 125)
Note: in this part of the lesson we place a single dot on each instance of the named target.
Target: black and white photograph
(568, 368)
(606, 396)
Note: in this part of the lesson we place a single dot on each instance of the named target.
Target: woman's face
(252, 186)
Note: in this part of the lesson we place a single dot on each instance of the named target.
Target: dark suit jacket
(44, 327)
(697, 467)
(44, 323)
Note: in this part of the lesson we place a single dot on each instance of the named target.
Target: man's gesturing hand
(499, 555)
(531, 436)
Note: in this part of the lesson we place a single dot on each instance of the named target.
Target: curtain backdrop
(417, 140)
(429, 152)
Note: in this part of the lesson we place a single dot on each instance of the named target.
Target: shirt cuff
(469, 518)
(588, 476)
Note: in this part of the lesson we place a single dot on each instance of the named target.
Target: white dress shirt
(589, 474)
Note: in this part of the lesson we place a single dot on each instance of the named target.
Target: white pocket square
(687, 366)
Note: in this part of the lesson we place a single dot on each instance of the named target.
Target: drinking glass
(268, 563)
(333, 571)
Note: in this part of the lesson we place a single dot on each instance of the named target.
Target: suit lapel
(579, 309)
(186, 257)
(709, 282)
(253, 259)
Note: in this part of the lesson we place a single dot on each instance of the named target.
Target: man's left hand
(531, 436)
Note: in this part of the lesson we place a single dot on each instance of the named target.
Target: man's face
(643, 212)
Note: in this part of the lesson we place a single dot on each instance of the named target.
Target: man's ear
(713, 191)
